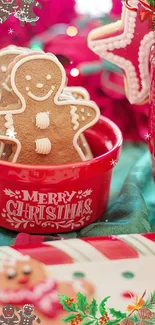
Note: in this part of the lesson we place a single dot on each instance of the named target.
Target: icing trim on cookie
(2, 145)
(9, 51)
(78, 90)
(15, 141)
(42, 120)
(43, 146)
(84, 128)
(74, 117)
(6, 87)
(103, 47)
(10, 132)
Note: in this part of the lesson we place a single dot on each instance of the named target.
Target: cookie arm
(83, 116)
(5, 139)
(16, 320)
(38, 5)
(2, 319)
(37, 319)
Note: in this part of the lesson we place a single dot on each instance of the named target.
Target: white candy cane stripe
(79, 250)
(135, 241)
(8, 254)
(145, 242)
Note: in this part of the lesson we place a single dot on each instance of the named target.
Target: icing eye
(27, 88)
(27, 269)
(28, 77)
(3, 68)
(49, 77)
(11, 273)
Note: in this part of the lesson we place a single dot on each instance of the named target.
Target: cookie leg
(33, 23)
(22, 23)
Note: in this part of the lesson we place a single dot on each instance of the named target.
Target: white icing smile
(41, 99)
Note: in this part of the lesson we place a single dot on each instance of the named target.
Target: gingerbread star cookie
(44, 130)
(127, 44)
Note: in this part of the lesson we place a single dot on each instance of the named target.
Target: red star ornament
(127, 44)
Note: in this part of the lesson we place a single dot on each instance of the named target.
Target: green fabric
(132, 200)
(132, 186)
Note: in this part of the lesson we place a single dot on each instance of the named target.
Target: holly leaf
(82, 302)
(68, 318)
(117, 314)
(69, 308)
(102, 307)
(93, 308)
(89, 322)
(114, 322)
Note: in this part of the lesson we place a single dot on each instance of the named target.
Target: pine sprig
(150, 302)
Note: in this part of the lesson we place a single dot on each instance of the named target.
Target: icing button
(43, 146)
(42, 120)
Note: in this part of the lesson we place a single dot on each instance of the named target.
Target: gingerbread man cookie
(79, 93)
(9, 99)
(44, 130)
(7, 55)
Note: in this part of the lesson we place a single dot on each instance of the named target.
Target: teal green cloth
(132, 200)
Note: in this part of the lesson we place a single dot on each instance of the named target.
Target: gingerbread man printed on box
(6, 9)
(27, 315)
(26, 14)
(44, 130)
(9, 317)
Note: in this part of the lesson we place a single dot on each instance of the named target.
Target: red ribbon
(145, 12)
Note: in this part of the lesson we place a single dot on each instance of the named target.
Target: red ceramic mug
(54, 199)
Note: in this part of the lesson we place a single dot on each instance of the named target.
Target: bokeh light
(74, 72)
(95, 8)
(72, 31)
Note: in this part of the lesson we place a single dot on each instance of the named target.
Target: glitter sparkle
(10, 31)
(147, 136)
(113, 162)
